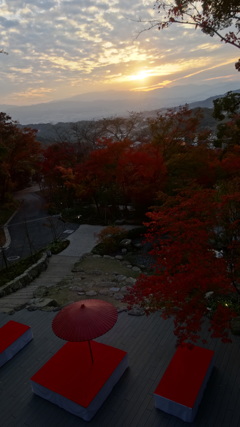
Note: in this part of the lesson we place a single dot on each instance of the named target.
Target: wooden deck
(150, 344)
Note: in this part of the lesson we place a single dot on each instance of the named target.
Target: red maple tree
(188, 280)
(141, 174)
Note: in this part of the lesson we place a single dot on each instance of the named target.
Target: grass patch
(62, 295)
(58, 246)
(15, 270)
(106, 266)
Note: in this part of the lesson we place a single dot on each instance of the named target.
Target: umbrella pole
(90, 348)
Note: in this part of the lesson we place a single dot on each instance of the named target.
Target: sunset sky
(61, 48)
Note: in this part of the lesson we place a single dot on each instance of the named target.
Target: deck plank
(150, 344)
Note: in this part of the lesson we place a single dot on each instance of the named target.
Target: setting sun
(139, 76)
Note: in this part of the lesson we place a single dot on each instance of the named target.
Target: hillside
(86, 130)
(95, 106)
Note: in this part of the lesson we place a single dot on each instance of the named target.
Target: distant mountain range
(208, 103)
(93, 106)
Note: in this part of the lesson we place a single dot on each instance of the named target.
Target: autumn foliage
(111, 174)
(212, 17)
(187, 193)
(187, 271)
(19, 156)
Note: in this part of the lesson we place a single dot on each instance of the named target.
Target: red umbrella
(84, 320)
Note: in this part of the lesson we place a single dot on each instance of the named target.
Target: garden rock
(114, 289)
(136, 269)
(118, 297)
(125, 243)
(41, 303)
(104, 292)
(130, 281)
(107, 284)
(121, 278)
(45, 302)
(76, 288)
(40, 292)
(136, 311)
(91, 293)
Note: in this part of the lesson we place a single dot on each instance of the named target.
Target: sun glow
(139, 76)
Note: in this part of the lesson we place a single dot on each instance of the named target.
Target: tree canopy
(189, 282)
(227, 111)
(188, 189)
(19, 155)
(219, 18)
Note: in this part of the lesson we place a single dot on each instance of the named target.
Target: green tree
(227, 106)
(227, 111)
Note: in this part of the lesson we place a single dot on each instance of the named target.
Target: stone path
(81, 242)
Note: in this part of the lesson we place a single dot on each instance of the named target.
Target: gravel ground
(94, 276)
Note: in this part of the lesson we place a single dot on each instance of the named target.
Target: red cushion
(10, 332)
(185, 374)
(71, 373)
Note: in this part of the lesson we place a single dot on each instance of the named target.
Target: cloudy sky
(61, 48)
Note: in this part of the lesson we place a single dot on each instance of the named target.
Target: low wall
(26, 278)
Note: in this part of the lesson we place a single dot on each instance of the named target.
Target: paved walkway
(81, 242)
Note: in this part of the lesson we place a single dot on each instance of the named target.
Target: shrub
(58, 246)
(15, 270)
(109, 238)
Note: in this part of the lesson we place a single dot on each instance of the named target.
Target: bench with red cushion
(181, 388)
(13, 337)
(70, 379)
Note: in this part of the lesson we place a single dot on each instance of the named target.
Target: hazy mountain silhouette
(90, 106)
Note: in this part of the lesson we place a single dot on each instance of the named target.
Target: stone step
(59, 267)
(14, 301)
